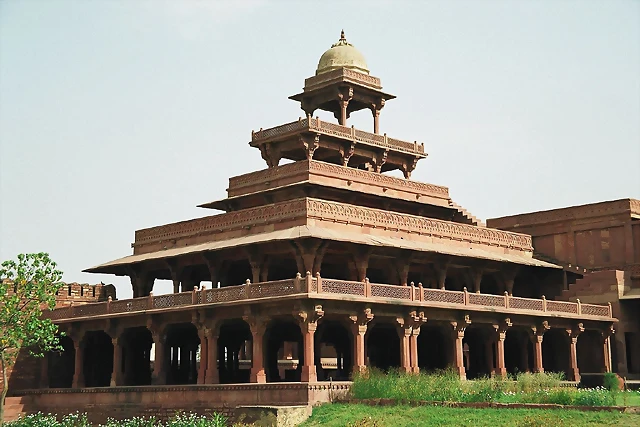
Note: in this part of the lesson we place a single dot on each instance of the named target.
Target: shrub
(611, 381)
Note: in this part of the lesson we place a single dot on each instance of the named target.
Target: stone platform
(162, 402)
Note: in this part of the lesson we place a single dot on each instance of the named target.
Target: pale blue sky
(120, 115)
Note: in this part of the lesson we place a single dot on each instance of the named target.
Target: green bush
(611, 382)
(80, 420)
(446, 386)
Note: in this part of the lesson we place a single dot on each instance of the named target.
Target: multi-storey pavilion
(325, 266)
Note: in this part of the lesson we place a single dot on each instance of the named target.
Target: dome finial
(342, 36)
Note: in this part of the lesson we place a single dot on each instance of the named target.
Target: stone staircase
(594, 285)
(466, 214)
(14, 407)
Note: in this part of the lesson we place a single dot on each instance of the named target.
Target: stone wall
(163, 402)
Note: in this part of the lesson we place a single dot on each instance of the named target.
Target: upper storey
(342, 85)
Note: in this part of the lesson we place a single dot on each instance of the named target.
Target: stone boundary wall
(163, 402)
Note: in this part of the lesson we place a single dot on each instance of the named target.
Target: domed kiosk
(342, 54)
(342, 85)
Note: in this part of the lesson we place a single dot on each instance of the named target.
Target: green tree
(27, 287)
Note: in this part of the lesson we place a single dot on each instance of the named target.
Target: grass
(446, 387)
(341, 415)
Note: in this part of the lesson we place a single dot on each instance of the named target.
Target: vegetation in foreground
(446, 386)
(80, 420)
(27, 286)
(353, 415)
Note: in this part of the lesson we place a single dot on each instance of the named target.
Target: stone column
(404, 332)
(537, 353)
(359, 329)
(606, 350)
(176, 286)
(574, 373)
(117, 362)
(309, 372)
(258, 326)
(78, 373)
(413, 350)
(159, 375)
(343, 112)
(458, 356)
(204, 357)
(500, 365)
(376, 120)
(212, 375)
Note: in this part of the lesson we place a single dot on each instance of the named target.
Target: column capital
(575, 331)
(460, 326)
(308, 319)
(361, 320)
(539, 329)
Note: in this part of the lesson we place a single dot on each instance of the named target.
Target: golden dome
(342, 54)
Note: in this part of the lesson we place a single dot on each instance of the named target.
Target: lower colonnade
(293, 332)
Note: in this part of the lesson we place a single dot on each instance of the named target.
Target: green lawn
(343, 415)
(628, 399)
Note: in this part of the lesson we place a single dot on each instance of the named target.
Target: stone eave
(440, 246)
(223, 204)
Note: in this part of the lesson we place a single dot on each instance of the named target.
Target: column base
(309, 374)
(574, 375)
(258, 377)
(500, 372)
(158, 380)
(415, 369)
(461, 372)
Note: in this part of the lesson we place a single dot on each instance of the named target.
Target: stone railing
(250, 180)
(317, 286)
(332, 129)
(326, 210)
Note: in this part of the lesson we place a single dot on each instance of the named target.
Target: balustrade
(317, 285)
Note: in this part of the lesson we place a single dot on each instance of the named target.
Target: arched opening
(234, 352)
(590, 352)
(518, 351)
(333, 351)
(489, 285)
(98, 359)
(281, 268)
(61, 364)
(383, 346)
(336, 265)
(283, 351)
(182, 353)
(238, 273)
(435, 348)
(136, 356)
(555, 351)
(478, 351)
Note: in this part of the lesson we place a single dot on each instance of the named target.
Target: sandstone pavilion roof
(335, 190)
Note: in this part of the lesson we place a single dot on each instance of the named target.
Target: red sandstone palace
(326, 265)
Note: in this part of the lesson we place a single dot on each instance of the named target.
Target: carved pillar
(204, 356)
(305, 252)
(441, 273)
(78, 373)
(537, 333)
(117, 362)
(458, 357)
(404, 332)
(402, 265)
(500, 336)
(175, 271)
(212, 375)
(574, 372)
(159, 375)
(606, 335)
(258, 326)
(380, 159)
(359, 329)
(475, 278)
(360, 263)
(141, 282)
(417, 320)
(346, 153)
(308, 322)
(376, 120)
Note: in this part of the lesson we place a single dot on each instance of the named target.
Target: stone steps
(13, 408)
(465, 213)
